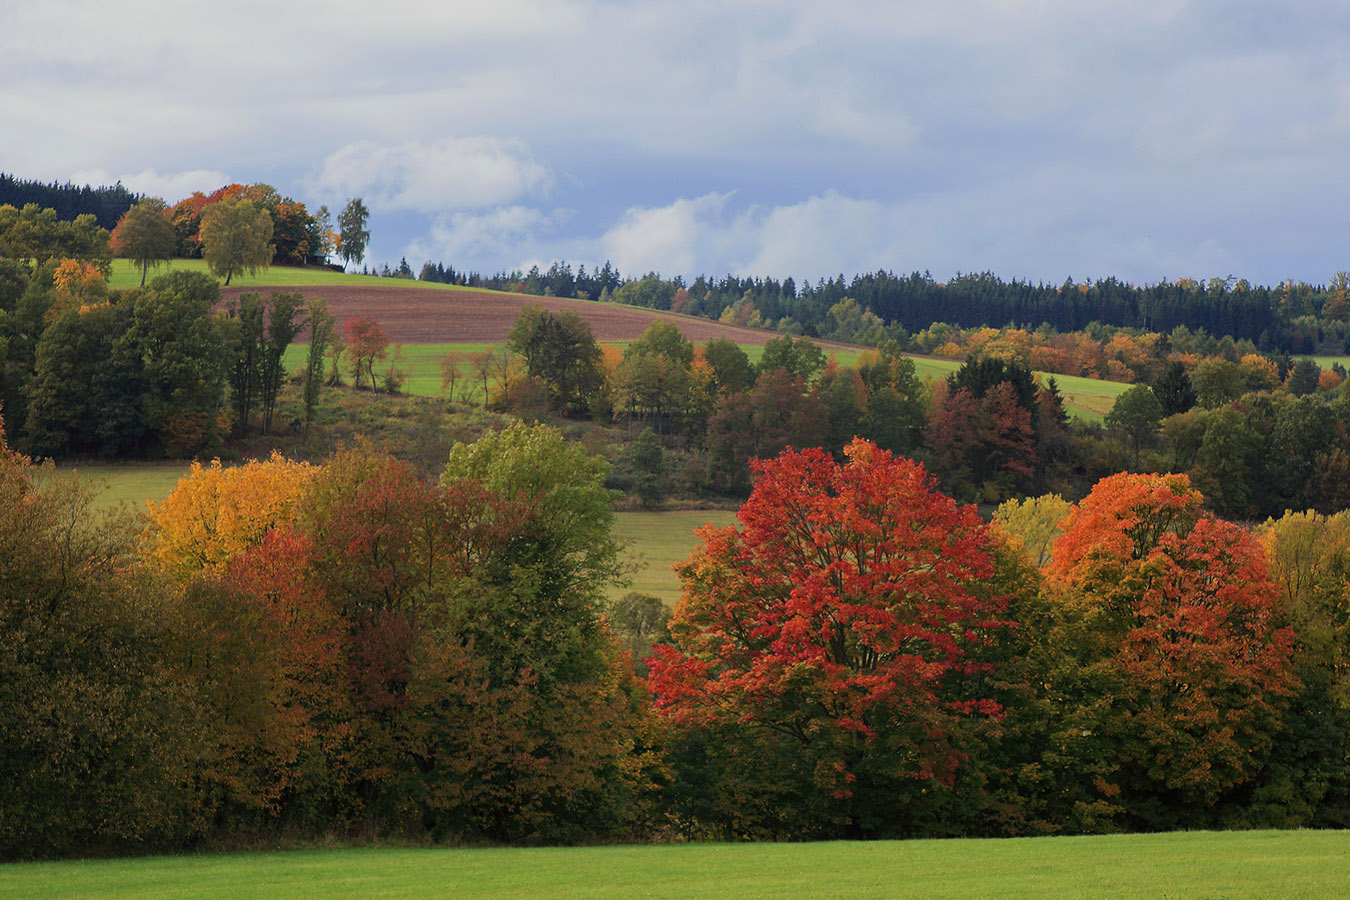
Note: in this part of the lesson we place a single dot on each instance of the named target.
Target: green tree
(560, 349)
(639, 621)
(100, 744)
(84, 396)
(1217, 382)
(731, 367)
(322, 333)
(145, 235)
(1033, 524)
(1303, 377)
(353, 236)
(649, 464)
(1174, 390)
(1137, 415)
(799, 356)
(570, 510)
(177, 340)
(236, 237)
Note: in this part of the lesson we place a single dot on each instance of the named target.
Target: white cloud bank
(446, 174)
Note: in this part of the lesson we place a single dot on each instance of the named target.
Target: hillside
(413, 314)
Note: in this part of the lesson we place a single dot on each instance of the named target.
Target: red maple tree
(838, 616)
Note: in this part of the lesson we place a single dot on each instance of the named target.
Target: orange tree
(1173, 673)
(824, 680)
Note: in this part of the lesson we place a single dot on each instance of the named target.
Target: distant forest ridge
(106, 204)
(1292, 317)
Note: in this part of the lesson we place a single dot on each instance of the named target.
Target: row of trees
(351, 647)
(1255, 442)
(1292, 317)
(244, 227)
(990, 431)
(322, 649)
(153, 371)
(105, 203)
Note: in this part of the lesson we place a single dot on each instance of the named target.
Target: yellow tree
(215, 513)
(236, 237)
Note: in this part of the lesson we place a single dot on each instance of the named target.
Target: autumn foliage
(356, 648)
(837, 620)
(1177, 628)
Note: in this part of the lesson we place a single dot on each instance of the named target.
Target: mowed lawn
(1294, 865)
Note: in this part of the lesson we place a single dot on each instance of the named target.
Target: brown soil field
(419, 315)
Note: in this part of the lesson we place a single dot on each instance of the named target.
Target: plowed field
(420, 315)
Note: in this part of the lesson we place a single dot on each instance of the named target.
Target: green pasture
(421, 362)
(1326, 362)
(130, 482)
(125, 274)
(655, 541)
(1087, 398)
(1292, 865)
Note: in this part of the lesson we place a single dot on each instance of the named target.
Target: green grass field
(131, 482)
(1295, 865)
(656, 541)
(1084, 397)
(127, 275)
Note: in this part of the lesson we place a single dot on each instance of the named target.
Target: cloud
(672, 239)
(1033, 137)
(489, 241)
(447, 174)
(169, 186)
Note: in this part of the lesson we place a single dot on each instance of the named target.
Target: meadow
(655, 541)
(126, 275)
(1293, 865)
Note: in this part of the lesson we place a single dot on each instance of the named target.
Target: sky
(1035, 139)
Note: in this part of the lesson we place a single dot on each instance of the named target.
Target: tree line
(352, 648)
(1292, 317)
(106, 203)
(1256, 440)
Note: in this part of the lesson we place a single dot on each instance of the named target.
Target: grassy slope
(1084, 397)
(1234, 865)
(126, 275)
(656, 541)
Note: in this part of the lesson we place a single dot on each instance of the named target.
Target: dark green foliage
(106, 204)
(98, 739)
(322, 333)
(978, 376)
(1174, 391)
(730, 364)
(1303, 377)
(260, 331)
(87, 392)
(797, 356)
(560, 349)
(175, 337)
(1136, 414)
(649, 465)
